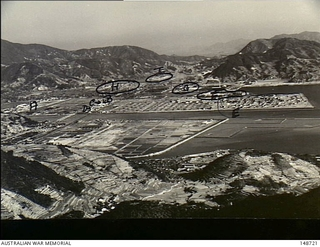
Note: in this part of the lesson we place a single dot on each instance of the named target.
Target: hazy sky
(162, 26)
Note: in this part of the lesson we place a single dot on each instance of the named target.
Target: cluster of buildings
(267, 101)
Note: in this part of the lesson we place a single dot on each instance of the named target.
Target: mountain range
(283, 56)
(48, 66)
(312, 36)
(222, 49)
(26, 67)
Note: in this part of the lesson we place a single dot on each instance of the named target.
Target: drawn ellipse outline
(98, 90)
(157, 74)
(222, 94)
(183, 86)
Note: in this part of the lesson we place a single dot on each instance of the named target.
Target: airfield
(105, 148)
(170, 127)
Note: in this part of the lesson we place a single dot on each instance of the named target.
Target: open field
(138, 128)
(298, 136)
(126, 138)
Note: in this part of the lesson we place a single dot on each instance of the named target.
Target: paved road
(273, 113)
(188, 115)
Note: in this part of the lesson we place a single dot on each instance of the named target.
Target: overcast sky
(164, 27)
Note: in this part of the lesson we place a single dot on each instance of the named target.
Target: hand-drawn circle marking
(117, 87)
(218, 94)
(160, 76)
(185, 88)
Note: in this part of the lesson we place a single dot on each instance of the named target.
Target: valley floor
(100, 151)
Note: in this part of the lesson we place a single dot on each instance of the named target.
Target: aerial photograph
(160, 110)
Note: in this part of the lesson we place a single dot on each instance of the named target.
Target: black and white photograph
(137, 110)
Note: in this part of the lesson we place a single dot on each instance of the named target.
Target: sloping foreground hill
(286, 58)
(24, 177)
(48, 181)
(240, 199)
(287, 206)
